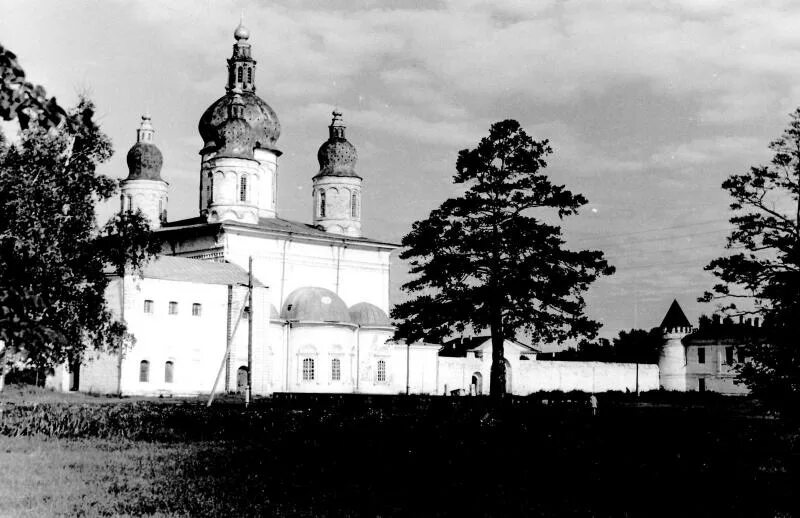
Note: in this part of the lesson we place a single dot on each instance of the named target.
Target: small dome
(262, 127)
(366, 314)
(144, 162)
(337, 156)
(315, 305)
(241, 32)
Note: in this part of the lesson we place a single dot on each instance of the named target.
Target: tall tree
(765, 279)
(487, 259)
(53, 258)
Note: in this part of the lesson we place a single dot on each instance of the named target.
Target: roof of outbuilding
(181, 269)
(458, 347)
(366, 314)
(314, 304)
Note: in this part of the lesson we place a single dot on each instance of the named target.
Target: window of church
(239, 75)
(308, 369)
(197, 309)
(168, 371)
(381, 377)
(148, 306)
(144, 371)
(701, 355)
(173, 308)
(729, 355)
(354, 205)
(336, 369)
(321, 204)
(243, 189)
(249, 75)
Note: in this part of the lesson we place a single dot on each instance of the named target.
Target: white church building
(320, 291)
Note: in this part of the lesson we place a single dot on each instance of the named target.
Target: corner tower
(238, 176)
(672, 358)
(144, 189)
(337, 187)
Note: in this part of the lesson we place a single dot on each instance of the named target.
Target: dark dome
(315, 305)
(144, 162)
(366, 314)
(263, 127)
(337, 157)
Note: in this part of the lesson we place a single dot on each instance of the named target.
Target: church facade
(241, 295)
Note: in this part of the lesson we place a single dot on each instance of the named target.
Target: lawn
(436, 460)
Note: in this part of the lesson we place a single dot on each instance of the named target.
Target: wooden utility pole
(249, 392)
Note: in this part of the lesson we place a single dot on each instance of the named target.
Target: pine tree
(488, 259)
(765, 280)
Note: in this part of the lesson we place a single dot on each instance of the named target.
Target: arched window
(354, 205)
(144, 371)
(239, 75)
(168, 371)
(243, 189)
(381, 375)
(210, 190)
(336, 369)
(321, 204)
(249, 75)
(241, 379)
(308, 369)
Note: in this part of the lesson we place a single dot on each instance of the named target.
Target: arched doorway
(508, 376)
(476, 387)
(241, 380)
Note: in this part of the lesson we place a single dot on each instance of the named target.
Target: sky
(648, 106)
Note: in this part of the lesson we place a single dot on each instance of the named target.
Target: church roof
(195, 270)
(276, 225)
(366, 314)
(675, 317)
(314, 304)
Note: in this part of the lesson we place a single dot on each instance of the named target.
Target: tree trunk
(497, 376)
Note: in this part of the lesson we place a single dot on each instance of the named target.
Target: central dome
(261, 119)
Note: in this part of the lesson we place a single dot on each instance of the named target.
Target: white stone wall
(421, 363)
(150, 196)
(529, 376)
(356, 274)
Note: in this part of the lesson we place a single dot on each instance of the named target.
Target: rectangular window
(701, 355)
(729, 355)
(308, 369)
(381, 377)
(168, 372)
(336, 369)
(144, 371)
(701, 384)
(173, 308)
(148, 306)
(197, 309)
(740, 354)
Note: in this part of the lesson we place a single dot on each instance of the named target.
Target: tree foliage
(765, 279)
(53, 259)
(634, 346)
(488, 259)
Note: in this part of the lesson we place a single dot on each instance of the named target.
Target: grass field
(445, 461)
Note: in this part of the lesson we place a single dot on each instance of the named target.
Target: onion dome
(312, 304)
(337, 156)
(369, 315)
(144, 158)
(262, 125)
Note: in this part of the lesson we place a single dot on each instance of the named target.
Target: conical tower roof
(675, 317)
